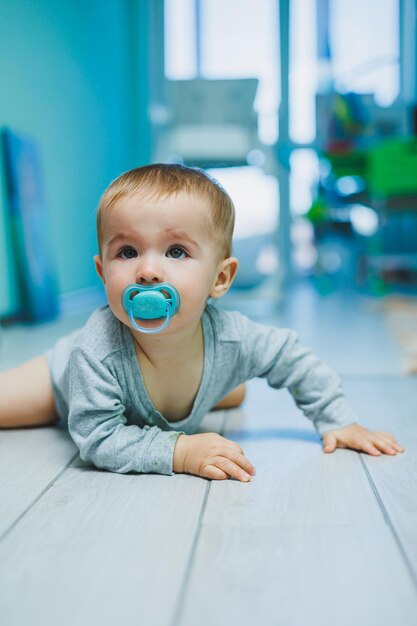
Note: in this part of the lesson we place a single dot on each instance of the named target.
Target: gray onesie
(98, 386)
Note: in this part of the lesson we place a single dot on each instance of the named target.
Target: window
(237, 39)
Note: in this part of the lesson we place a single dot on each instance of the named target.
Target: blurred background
(305, 110)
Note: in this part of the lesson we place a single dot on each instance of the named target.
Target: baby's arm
(99, 428)
(276, 354)
(318, 392)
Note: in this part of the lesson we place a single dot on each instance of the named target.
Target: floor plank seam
(38, 497)
(177, 614)
(390, 525)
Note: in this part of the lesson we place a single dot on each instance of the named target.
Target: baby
(134, 386)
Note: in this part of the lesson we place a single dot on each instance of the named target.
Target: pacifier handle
(150, 331)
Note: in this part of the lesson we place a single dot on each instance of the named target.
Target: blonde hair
(163, 179)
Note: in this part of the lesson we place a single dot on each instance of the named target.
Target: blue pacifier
(150, 303)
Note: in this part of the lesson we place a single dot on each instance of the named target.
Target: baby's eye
(177, 252)
(127, 253)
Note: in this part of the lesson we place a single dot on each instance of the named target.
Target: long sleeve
(99, 427)
(276, 354)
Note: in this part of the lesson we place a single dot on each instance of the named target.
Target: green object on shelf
(318, 211)
(377, 286)
(349, 163)
(392, 168)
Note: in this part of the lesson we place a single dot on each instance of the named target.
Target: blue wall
(68, 78)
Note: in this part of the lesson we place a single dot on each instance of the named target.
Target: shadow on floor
(275, 433)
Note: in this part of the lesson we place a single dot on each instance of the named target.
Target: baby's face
(154, 240)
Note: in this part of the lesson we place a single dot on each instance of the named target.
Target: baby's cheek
(114, 300)
(194, 303)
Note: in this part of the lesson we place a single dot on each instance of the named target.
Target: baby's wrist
(178, 462)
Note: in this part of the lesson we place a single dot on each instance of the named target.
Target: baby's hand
(211, 456)
(360, 438)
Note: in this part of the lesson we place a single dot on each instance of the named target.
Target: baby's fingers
(390, 440)
(240, 460)
(388, 447)
(376, 445)
(369, 448)
(329, 443)
(214, 473)
(231, 468)
(360, 443)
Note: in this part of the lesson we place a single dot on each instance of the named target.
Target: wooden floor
(314, 539)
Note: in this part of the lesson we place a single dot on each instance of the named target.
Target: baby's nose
(149, 272)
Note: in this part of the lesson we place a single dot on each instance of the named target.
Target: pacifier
(150, 303)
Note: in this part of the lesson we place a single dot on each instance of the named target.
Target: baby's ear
(98, 262)
(225, 277)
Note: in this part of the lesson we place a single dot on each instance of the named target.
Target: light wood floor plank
(144, 525)
(306, 542)
(391, 405)
(101, 548)
(292, 576)
(30, 459)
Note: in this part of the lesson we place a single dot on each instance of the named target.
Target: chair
(211, 123)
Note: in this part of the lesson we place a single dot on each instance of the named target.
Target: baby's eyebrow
(181, 234)
(119, 236)
(172, 232)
